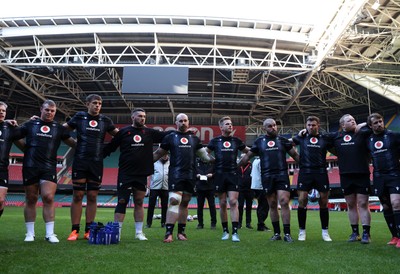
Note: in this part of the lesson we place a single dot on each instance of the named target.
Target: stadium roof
(284, 59)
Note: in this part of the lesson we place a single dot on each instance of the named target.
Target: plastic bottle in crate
(92, 233)
(115, 233)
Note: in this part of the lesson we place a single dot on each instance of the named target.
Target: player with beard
(9, 134)
(135, 164)
(353, 159)
(183, 146)
(384, 146)
(313, 175)
(42, 137)
(226, 175)
(87, 169)
(272, 150)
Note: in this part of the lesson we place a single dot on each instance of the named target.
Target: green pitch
(204, 252)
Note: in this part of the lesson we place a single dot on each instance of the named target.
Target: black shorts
(89, 170)
(389, 184)
(135, 183)
(32, 175)
(272, 183)
(4, 178)
(308, 181)
(225, 182)
(355, 183)
(184, 185)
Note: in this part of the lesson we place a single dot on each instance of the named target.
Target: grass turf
(204, 252)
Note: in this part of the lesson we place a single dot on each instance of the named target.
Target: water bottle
(92, 233)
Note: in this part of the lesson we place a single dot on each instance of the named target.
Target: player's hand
(34, 117)
(302, 132)
(359, 126)
(12, 122)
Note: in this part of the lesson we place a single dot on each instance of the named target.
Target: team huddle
(355, 146)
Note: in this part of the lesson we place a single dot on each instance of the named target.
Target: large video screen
(155, 80)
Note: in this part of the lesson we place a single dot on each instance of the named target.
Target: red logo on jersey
(313, 140)
(45, 129)
(184, 140)
(137, 138)
(93, 123)
(271, 144)
(378, 145)
(347, 138)
(227, 144)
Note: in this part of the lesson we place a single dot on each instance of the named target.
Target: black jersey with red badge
(313, 151)
(351, 150)
(8, 134)
(226, 152)
(182, 148)
(42, 142)
(384, 149)
(272, 152)
(136, 150)
(91, 131)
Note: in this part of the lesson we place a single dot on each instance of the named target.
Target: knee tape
(123, 200)
(174, 208)
(121, 207)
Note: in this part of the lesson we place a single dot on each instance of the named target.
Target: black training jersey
(226, 152)
(182, 148)
(136, 147)
(313, 151)
(91, 131)
(42, 140)
(351, 150)
(384, 149)
(8, 134)
(272, 152)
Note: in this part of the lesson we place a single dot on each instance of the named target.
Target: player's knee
(121, 206)
(31, 197)
(78, 196)
(48, 198)
(138, 202)
(233, 203)
(273, 204)
(91, 197)
(396, 205)
(175, 199)
(363, 204)
(284, 201)
(303, 202)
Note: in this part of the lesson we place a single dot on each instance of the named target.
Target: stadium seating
(15, 173)
(110, 176)
(16, 199)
